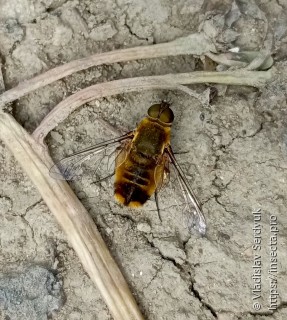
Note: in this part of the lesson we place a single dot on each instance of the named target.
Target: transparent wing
(190, 205)
(97, 160)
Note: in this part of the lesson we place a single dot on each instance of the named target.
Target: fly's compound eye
(154, 111)
(161, 112)
(166, 116)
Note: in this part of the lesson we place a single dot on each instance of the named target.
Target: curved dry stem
(195, 44)
(170, 81)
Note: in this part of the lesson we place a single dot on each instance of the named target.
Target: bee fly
(142, 163)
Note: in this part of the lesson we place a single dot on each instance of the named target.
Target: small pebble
(144, 227)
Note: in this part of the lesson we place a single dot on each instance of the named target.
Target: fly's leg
(180, 152)
(104, 178)
(157, 205)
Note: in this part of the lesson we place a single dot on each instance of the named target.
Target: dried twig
(73, 218)
(171, 81)
(195, 44)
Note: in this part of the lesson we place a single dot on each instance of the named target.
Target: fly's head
(162, 113)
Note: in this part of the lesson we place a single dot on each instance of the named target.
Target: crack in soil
(224, 149)
(154, 277)
(131, 32)
(198, 296)
(185, 275)
(32, 206)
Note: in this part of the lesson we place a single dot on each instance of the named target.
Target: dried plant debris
(249, 60)
(232, 15)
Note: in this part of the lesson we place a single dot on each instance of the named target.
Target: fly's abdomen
(133, 184)
(135, 173)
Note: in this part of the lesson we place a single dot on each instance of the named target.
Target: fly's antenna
(167, 101)
(165, 104)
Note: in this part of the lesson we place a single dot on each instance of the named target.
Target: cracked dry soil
(236, 162)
